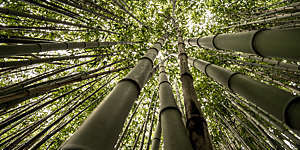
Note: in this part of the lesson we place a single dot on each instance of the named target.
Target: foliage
(196, 18)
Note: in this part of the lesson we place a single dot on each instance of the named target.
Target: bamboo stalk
(195, 121)
(277, 102)
(9, 50)
(45, 60)
(174, 133)
(265, 43)
(102, 128)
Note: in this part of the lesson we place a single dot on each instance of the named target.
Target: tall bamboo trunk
(46, 60)
(272, 73)
(60, 8)
(101, 129)
(270, 67)
(181, 105)
(119, 142)
(258, 140)
(19, 39)
(281, 104)
(266, 43)
(34, 125)
(290, 88)
(225, 138)
(157, 136)
(196, 123)
(173, 130)
(264, 19)
(38, 28)
(75, 75)
(268, 118)
(9, 50)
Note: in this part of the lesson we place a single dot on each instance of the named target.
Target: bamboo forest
(150, 74)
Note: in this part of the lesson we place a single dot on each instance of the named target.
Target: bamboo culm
(281, 104)
(45, 60)
(175, 137)
(35, 29)
(233, 131)
(288, 66)
(253, 134)
(157, 136)
(129, 13)
(74, 75)
(102, 127)
(195, 121)
(9, 50)
(20, 39)
(119, 142)
(265, 43)
(59, 7)
(268, 118)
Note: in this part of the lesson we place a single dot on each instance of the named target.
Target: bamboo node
(290, 118)
(214, 43)
(168, 107)
(229, 78)
(252, 44)
(134, 82)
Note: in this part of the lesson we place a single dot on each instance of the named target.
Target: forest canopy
(67, 65)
